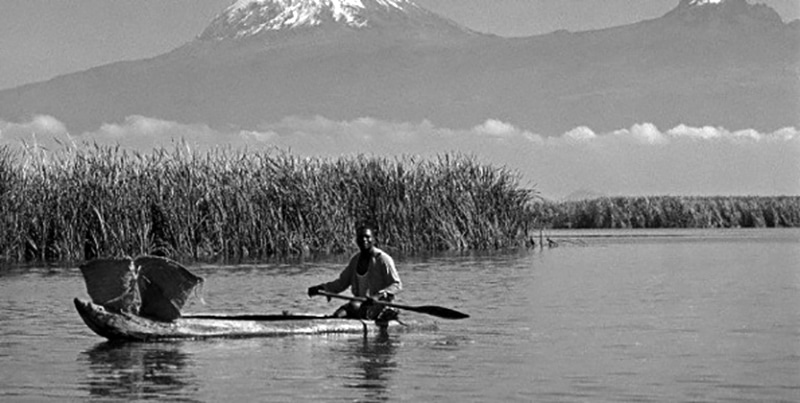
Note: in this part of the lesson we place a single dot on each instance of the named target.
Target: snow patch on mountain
(247, 18)
(704, 2)
(336, 4)
(732, 13)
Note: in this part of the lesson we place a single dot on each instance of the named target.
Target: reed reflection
(136, 371)
(375, 359)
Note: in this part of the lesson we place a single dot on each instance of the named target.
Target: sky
(40, 39)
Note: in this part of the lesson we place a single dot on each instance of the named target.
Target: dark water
(692, 316)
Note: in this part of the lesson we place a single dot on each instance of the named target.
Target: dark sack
(149, 286)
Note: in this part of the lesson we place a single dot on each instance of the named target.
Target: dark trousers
(358, 310)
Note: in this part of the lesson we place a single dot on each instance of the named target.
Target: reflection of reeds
(142, 371)
(89, 201)
(673, 212)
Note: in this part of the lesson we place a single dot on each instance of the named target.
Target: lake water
(700, 316)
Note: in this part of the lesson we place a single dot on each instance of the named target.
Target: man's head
(365, 238)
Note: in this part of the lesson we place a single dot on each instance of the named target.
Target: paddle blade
(440, 311)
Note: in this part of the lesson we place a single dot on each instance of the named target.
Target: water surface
(657, 316)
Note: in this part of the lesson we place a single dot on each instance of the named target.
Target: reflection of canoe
(123, 326)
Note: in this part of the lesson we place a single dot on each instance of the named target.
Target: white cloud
(494, 127)
(47, 124)
(260, 137)
(144, 132)
(579, 134)
(40, 127)
(646, 133)
(641, 159)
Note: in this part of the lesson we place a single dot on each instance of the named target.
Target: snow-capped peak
(733, 12)
(337, 5)
(246, 18)
(704, 2)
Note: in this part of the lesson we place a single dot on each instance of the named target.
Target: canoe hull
(123, 326)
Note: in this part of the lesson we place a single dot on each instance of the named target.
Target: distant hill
(729, 64)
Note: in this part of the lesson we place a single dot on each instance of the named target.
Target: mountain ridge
(252, 18)
(663, 71)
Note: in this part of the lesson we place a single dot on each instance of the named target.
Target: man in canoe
(370, 274)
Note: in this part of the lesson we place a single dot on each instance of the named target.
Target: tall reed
(672, 212)
(81, 202)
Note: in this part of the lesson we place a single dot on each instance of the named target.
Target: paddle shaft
(256, 317)
(439, 311)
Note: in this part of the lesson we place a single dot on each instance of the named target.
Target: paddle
(439, 311)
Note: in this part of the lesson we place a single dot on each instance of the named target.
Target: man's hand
(374, 299)
(384, 296)
(312, 291)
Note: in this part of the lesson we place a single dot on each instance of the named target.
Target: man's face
(364, 240)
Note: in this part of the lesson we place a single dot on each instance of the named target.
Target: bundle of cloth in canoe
(148, 286)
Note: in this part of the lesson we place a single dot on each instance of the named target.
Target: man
(370, 274)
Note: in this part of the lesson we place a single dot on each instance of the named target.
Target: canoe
(124, 326)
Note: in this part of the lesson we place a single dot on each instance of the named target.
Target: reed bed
(672, 212)
(82, 202)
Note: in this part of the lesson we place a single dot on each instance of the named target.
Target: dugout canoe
(124, 326)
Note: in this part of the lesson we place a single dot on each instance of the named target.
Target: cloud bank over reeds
(640, 160)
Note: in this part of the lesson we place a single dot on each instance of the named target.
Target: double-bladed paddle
(434, 310)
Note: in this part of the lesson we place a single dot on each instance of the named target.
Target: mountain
(721, 63)
(272, 19)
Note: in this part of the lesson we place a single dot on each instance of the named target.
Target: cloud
(641, 159)
(142, 132)
(495, 128)
(579, 134)
(41, 126)
(646, 133)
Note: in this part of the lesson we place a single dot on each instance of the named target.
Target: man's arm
(344, 281)
(390, 276)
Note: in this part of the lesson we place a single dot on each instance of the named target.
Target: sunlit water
(693, 316)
